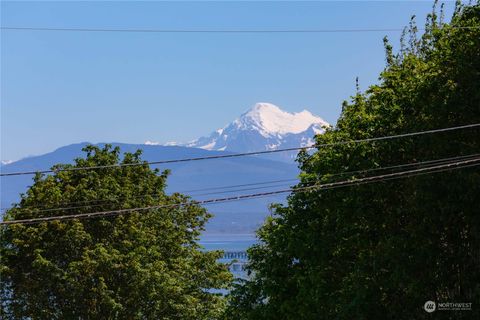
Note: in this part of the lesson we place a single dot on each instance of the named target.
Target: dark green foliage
(141, 265)
(381, 250)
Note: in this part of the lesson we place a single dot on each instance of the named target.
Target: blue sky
(60, 88)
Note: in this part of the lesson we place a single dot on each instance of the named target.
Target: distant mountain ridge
(186, 177)
(264, 127)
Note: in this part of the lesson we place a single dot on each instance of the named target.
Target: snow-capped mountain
(264, 127)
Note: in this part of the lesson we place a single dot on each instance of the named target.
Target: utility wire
(156, 194)
(125, 30)
(235, 155)
(101, 202)
(237, 185)
(361, 172)
(344, 183)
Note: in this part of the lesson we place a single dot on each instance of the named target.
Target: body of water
(228, 242)
(233, 243)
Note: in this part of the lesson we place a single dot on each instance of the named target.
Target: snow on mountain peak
(152, 143)
(5, 162)
(269, 119)
(264, 127)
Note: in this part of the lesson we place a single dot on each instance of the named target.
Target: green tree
(141, 265)
(380, 251)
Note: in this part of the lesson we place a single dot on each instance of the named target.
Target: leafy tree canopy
(381, 250)
(141, 265)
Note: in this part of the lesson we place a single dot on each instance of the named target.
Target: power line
(153, 195)
(101, 202)
(344, 183)
(438, 161)
(238, 185)
(126, 30)
(235, 155)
